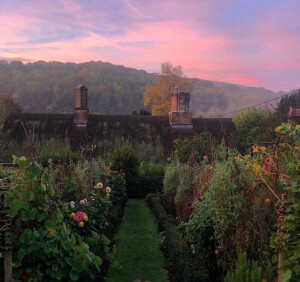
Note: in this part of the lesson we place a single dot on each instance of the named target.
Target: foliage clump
(61, 220)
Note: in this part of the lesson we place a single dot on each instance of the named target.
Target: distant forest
(112, 89)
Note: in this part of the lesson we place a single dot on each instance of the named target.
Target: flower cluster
(106, 190)
(79, 217)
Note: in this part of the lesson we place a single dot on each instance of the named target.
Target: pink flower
(83, 202)
(268, 161)
(72, 204)
(4, 181)
(106, 181)
(197, 196)
(79, 216)
(205, 157)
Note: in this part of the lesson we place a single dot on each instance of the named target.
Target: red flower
(189, 204)
(268, 161)
(24, 276)
(28, 188)
(197, 196)
(266, 168)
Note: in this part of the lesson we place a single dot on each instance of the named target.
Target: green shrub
(171, 183)
(124, 159)
(178, 188)
(255, 125)
(150, 179)
(245, 270)
(193, 149)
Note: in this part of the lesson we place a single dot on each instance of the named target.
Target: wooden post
(5, 248)
(6, 267)
(279, 232)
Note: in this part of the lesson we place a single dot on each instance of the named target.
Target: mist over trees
(113, 89)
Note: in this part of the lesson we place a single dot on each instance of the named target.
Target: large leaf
(16, 205)
(287, 275)
(74, 275)
(29, 196)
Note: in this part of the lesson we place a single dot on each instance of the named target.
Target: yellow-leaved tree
(158, 96)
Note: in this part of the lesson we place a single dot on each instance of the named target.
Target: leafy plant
(124, 159)
(245, 270)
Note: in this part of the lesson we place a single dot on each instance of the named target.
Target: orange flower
(216, 252)
(267, 201)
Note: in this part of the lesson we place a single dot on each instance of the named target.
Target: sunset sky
(249, 42)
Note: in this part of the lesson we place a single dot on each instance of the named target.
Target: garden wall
(152, 135)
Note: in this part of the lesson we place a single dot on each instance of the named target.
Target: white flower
(108, 189)
(99, 185)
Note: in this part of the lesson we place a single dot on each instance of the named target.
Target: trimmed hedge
(178, 250)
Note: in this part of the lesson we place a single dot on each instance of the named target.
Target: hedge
(177, 249)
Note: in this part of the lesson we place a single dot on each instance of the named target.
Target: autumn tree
(158, 96)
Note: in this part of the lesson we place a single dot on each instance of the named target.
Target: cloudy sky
(249, 42)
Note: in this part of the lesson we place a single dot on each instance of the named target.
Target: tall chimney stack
(81, 109)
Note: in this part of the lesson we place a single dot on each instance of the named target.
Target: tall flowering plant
(277, 168)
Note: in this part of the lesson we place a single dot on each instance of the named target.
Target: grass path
(137, 253)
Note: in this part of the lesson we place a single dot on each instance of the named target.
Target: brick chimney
(81, 109)
(180, 106)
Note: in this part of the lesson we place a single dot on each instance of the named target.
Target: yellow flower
(257, 168)
(72, 215)
(106, 223)
(81, 224)
(86, 218)
(277, 129)
(51, 233)
(263, 148)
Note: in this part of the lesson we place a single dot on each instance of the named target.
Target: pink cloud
(157, 31)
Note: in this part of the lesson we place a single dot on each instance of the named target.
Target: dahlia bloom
(99, 185)
(108, 189)
(83, 202)
(79, 216)
(268, 161)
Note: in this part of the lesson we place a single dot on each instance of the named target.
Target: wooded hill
(113, 89)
